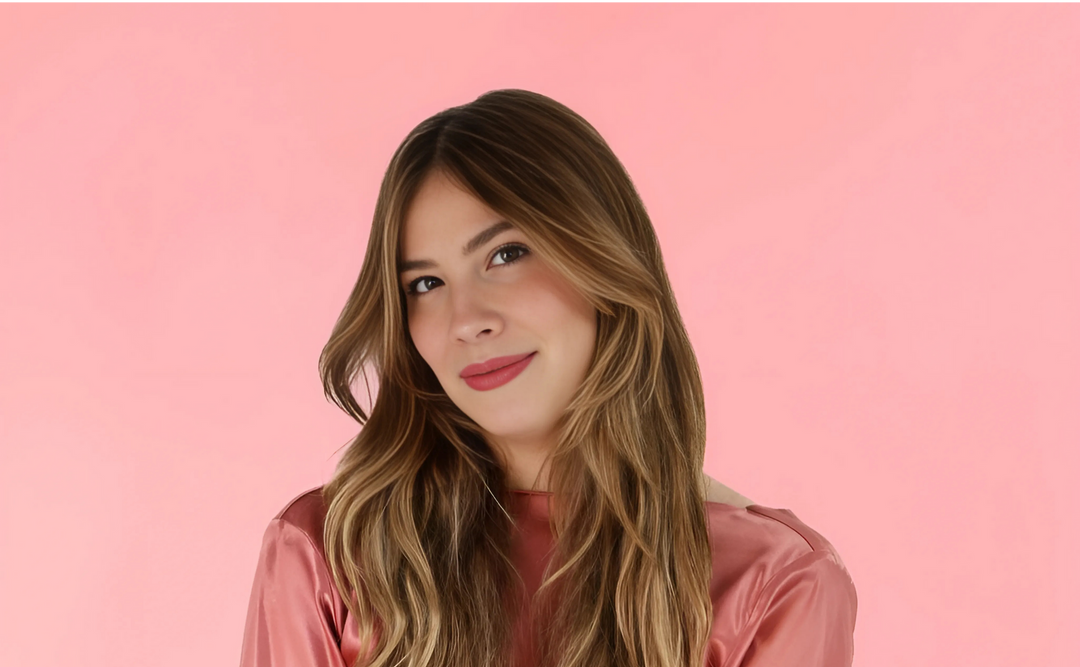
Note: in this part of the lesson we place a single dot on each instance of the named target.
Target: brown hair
(415, 534)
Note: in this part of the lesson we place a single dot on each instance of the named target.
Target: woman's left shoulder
(751, 538)
(779, 589)
(777, 583)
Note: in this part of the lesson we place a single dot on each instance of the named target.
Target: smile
(498, 377)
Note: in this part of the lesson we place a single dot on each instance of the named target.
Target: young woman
(527, 489)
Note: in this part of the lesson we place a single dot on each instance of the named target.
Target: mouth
(493, 364)
(500, 376)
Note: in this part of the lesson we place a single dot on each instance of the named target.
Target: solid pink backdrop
(870, 216)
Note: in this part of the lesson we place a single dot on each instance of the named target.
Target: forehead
(440, 217)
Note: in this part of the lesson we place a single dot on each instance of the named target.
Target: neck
(525, 466)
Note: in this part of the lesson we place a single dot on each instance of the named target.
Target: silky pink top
(781, 595)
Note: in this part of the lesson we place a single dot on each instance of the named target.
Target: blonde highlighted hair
(416, 534)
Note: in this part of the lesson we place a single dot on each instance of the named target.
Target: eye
(509, 247)
(411, 291)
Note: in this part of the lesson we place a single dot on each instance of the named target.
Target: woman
(528, 487)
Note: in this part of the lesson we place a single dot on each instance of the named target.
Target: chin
(507, 426)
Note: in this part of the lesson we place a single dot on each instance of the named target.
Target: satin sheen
(781, 595)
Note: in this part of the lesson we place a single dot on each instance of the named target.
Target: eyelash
(410, 290)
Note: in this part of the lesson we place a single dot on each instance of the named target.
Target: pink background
(870, 215)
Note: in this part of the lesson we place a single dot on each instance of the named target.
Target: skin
(486, 305)
(494, 302)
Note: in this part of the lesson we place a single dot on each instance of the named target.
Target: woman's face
(497, 300)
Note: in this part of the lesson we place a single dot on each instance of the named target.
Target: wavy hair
(416, 534)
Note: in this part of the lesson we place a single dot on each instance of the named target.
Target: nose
(472, 314)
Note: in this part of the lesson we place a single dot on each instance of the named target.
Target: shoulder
(295, 612)
(778, 588)
(778, 533)
(764, 538)
(303, 515)
(757, 549)
(292, 560)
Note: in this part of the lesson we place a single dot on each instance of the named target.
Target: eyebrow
(475, 242)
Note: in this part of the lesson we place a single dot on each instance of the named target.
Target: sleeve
(804, 617)
(290, 616)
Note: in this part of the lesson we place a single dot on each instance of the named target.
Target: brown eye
(510, 247)
(411, 290)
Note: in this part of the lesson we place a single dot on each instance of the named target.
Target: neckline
(529, 492)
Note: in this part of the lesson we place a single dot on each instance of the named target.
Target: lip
(492, 364)
(500, 376)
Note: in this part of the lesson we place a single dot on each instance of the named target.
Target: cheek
(422, 339)
(556, 303)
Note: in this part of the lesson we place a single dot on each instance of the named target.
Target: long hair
(416, 533)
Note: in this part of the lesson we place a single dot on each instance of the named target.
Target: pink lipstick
(499, 376)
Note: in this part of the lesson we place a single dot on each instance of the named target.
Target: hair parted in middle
(416, 533)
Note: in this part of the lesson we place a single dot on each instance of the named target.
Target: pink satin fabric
(781, 595)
